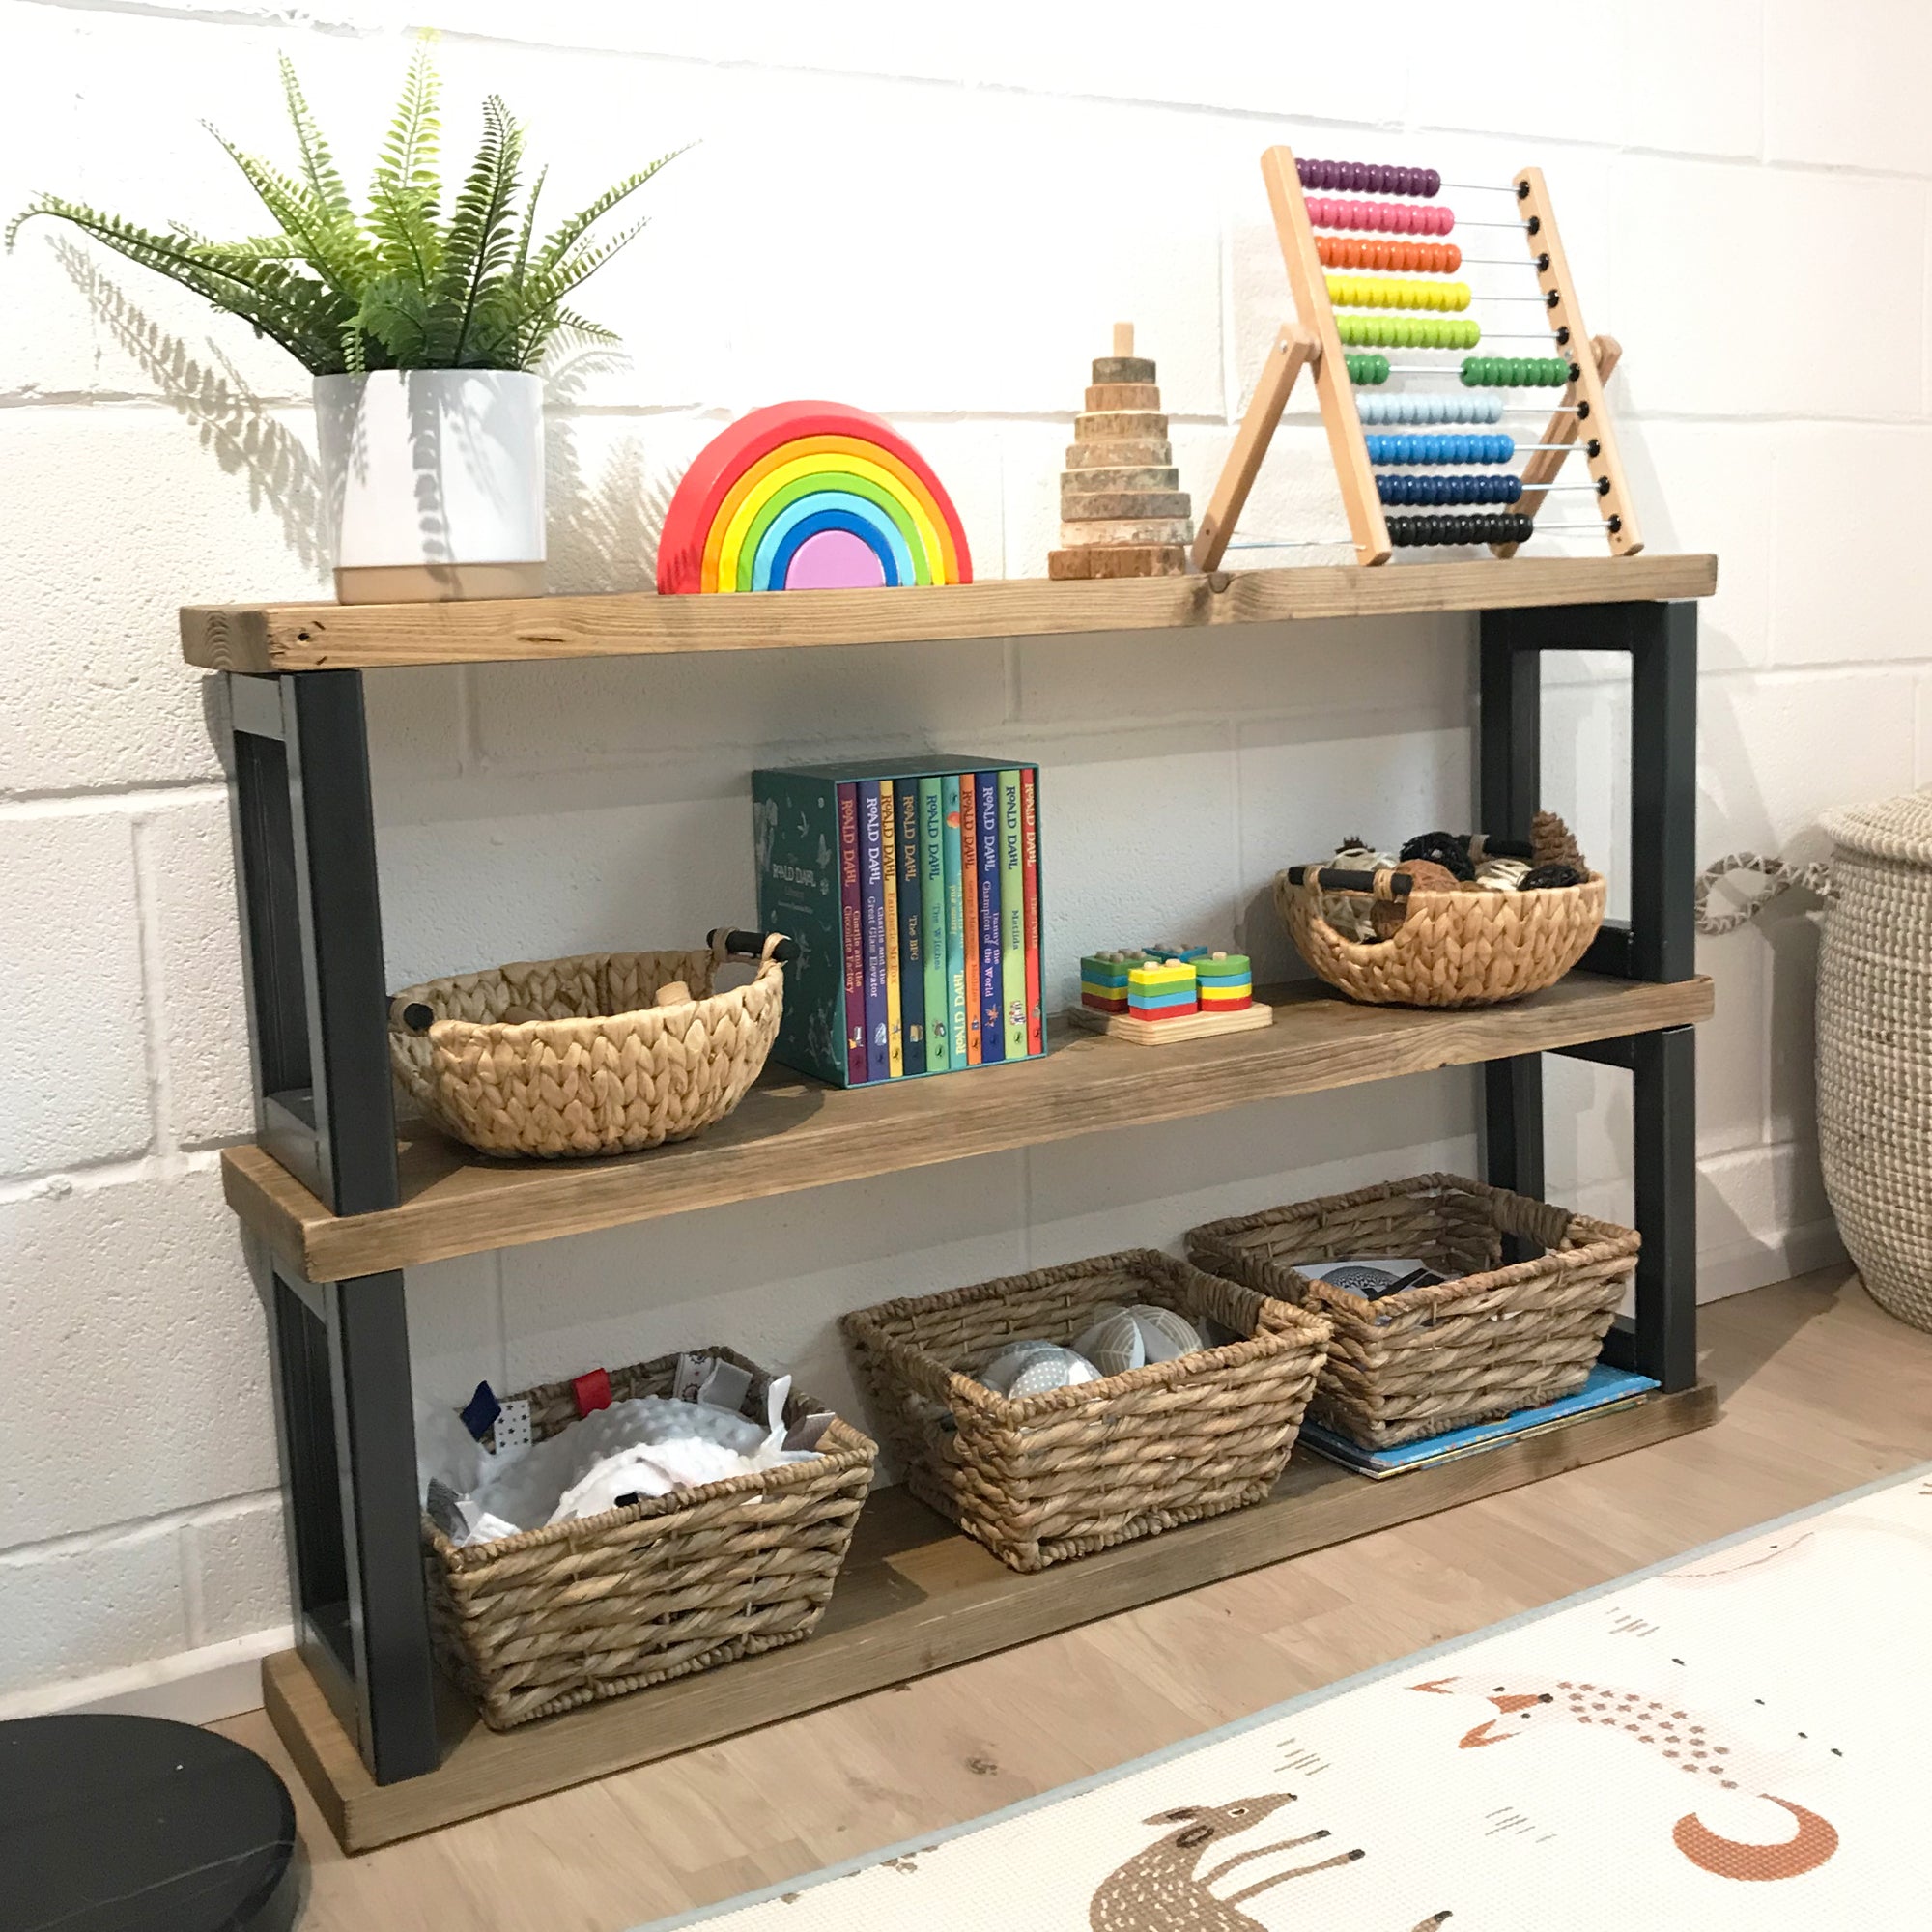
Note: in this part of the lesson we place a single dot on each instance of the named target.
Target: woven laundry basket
(1875, 1048)
(541, 1622)
(1472, 948)
(1074, 1470)
(1425, 1360)
(600, 1069)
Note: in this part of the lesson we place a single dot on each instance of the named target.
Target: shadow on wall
(238, 429)
(601, 529)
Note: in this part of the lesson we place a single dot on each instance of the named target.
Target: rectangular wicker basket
(1427, 1360)
(1074, 1470)
(537, 1623)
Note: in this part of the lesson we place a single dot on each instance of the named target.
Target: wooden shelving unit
(792, 1132)
(343, 1203)
(916, 1596)
(362, 637)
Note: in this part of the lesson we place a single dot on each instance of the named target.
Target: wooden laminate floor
(1822, 1392)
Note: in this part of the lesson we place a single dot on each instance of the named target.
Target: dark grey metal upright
(1655, 944)
(306, 841)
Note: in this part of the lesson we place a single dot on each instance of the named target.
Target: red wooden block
(592, 1391)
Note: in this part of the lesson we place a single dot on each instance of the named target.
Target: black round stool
(138, 1825)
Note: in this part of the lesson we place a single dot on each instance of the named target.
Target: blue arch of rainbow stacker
(830, 510)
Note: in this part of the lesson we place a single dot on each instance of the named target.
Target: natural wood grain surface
(1198, 1025)
(791, 1132)
(1821, 1392)
(324, 636)
(1294, 348)
(1354, 475)
(915, 1596)
(1593, 370)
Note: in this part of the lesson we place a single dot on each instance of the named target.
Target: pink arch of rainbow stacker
(743, 458)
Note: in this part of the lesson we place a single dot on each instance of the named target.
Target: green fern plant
(399, 286)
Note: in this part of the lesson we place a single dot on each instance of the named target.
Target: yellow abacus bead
(1462, 294)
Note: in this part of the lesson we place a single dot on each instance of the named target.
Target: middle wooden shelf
(791, 1132)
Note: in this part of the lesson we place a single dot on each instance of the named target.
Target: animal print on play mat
(1734, 1742)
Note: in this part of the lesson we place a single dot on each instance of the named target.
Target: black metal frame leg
(306, 847)
(1656, 945)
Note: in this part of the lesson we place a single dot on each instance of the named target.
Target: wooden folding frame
(1313, 342)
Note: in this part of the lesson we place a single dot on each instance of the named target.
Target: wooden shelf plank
(334, 636)
(791, 1132)
(915, 1597)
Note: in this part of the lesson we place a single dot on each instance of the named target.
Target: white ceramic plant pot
(434, 481)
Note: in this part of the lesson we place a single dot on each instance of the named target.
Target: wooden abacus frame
(1314, 342)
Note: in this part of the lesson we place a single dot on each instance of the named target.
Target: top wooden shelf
(266, 637)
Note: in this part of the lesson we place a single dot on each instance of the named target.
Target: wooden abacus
(1344, 353)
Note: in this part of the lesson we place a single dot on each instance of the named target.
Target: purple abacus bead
(1432, 182)
(1412, 181)
(1358, 176)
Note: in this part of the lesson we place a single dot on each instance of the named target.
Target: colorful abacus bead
(1368, 369)
(1162, 991)
(1388, 218)
(1438, 448)
(1504, 527)
(1394, 292)
(1463, 409)
(1226, 983)
(1505, 487)
(1407, 331)
(1398, 258)
(1517, 372)
(1368, 178)
(1104, 981)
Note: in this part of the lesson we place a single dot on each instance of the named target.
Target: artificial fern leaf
(408, 164)
(396, 288)
(559, 244)
(331, 198)
(552, 287)
(477, 247)
(334, 249)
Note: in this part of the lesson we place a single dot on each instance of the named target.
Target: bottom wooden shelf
(915, 1597)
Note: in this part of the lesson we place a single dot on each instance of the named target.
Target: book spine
(1013, 917)
(889, 873)
(932, 924)
(872, 901)
(912, 926)
(986, 809)
(852, 925)
(1030, 886)
(954, 858)
(969, 896)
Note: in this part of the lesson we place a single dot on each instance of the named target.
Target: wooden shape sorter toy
(1381, 276)
(1157, 994)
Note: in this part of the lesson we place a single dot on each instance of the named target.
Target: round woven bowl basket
(1875, 1048)
(1461, 948)
(602, 1069)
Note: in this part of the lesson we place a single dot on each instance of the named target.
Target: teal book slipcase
(795, 842)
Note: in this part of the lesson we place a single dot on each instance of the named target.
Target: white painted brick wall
(1743, 179)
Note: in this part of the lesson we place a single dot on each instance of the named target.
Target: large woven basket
(1472, 948)
(1430, 1359)
(541, 1622)
(1077, 1470)
(602, 1069)
(1875, 1048)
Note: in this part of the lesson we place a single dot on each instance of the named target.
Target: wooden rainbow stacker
(1413, 302)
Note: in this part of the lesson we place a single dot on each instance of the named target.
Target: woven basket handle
(763, 946)
(1778, 877)
(1385, 884)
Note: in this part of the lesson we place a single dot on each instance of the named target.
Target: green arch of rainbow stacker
(756, 556)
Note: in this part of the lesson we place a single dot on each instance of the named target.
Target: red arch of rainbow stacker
(810, 442)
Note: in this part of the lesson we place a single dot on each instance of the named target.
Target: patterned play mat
(1739, 1740)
